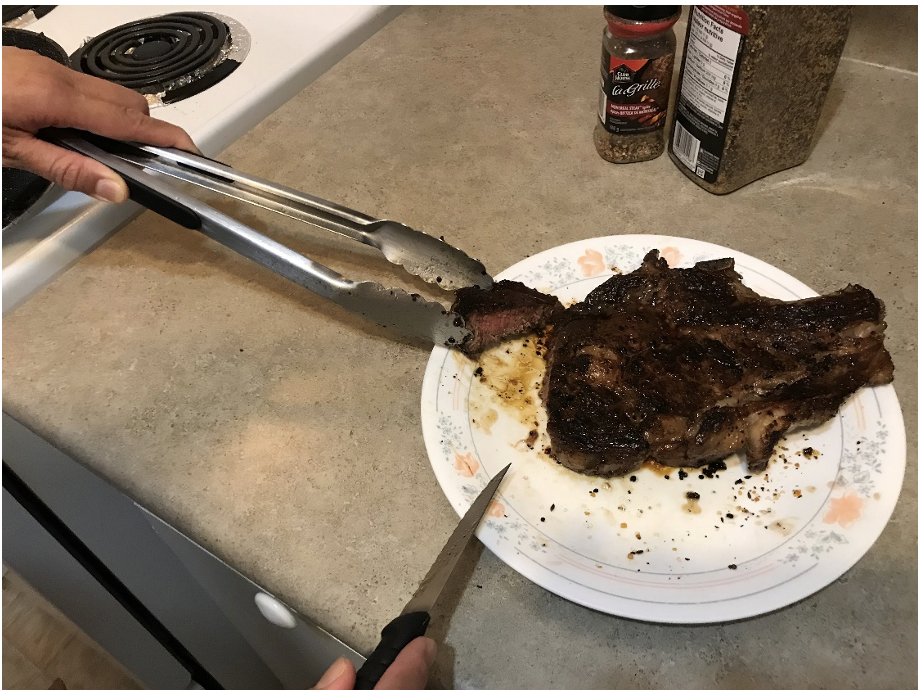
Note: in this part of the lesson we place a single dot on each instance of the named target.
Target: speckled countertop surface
(284, 434)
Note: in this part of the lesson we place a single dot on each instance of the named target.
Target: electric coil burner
(167, 58)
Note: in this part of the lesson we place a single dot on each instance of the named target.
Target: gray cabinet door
(295, 649)
(119, 533)
(35, 555)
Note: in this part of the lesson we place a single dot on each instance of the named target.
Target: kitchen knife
(415, 617)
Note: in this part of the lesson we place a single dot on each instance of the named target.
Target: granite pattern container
(783, 72)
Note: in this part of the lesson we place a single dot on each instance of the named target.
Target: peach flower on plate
(844, 510)
(591, 263)
(672, 255)
(466, 465)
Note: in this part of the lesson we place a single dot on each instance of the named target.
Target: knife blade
(415, 617)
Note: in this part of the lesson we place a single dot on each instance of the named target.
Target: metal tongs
(437, 262)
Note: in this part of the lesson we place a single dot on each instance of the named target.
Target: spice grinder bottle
(753, 82)
(638, 49)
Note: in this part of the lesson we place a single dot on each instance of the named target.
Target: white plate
(640, 548)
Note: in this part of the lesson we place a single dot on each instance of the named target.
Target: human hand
(39, 92)
(408, 672)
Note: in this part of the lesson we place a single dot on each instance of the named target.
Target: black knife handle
(395, 637)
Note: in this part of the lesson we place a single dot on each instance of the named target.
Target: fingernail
(332, 674)
(110, 191)
(430, 651)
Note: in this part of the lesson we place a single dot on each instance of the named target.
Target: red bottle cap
(640, 21)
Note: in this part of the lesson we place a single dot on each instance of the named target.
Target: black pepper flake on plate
(552, 506)
(682, 475)
(632, 478)
(717, 465)
(692, 495)
(732, 566)
(542, 519)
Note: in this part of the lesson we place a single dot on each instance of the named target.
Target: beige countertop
(284, 434)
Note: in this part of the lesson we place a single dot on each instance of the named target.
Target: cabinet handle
(275, 611)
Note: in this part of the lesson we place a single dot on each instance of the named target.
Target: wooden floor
(43, 650)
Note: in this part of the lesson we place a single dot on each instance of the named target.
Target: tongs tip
(431, 258)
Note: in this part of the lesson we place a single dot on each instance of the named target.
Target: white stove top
(290, 46)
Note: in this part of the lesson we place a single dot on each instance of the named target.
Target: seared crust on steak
(686, 366)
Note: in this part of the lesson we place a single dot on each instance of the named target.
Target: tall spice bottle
(753, 82)
(638, 50)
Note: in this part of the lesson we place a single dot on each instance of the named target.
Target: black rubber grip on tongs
(139, 191)
(395, 637)
(165, 206)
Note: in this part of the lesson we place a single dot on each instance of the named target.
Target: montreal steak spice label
(634, 94)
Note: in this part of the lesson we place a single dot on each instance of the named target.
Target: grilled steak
(505, 311)
(686, 366)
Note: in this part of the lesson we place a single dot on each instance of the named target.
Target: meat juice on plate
(659, 519)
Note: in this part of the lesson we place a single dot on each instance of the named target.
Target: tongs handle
(221, 178)
(163, 204)
(155, 194)
(141, 189)
(203, 172)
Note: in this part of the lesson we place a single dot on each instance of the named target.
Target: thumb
(339, 676)
(73, 171)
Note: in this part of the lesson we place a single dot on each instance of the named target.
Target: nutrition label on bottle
(712, 53)
(710, 60)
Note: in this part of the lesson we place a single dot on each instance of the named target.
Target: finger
(339, 676)
(411, 667)
(118, 122)
(72, 171)
(110, 92)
